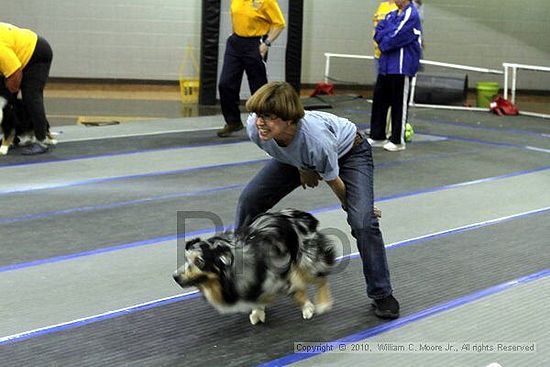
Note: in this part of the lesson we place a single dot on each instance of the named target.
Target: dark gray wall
(146, 39)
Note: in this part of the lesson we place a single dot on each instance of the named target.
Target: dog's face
(205, 261)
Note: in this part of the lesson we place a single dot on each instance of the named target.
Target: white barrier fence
(515, 68)
(505, 73)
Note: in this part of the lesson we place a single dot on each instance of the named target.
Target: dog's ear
(190, 243)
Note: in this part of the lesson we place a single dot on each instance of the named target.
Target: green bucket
(485, 93)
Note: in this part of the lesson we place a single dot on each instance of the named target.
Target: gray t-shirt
(320, 140)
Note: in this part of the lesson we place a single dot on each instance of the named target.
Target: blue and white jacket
(399, 37)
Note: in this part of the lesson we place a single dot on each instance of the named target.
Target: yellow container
(189, 90)
(188, 73)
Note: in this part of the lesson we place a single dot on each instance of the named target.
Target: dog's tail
(303, 222)
(316, 253)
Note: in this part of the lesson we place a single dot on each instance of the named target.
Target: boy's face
(270, 126)
(401, 3)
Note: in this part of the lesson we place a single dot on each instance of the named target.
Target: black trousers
(242, 54)
(35, 76)
(390, 91)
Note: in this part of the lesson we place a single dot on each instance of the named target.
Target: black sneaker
(35, 148)
(227, 130)
(386, 308)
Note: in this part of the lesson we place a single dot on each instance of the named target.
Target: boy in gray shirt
(309, 146)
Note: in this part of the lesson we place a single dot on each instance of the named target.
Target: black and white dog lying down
(8, 129)
(15, 125)
(278, 253)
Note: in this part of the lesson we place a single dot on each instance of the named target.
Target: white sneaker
(376, 143)
(391, 147)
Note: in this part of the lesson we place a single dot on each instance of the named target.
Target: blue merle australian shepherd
(278, 253)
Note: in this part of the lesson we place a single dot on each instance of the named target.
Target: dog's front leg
(6, 143)
(308, 309)
(4, 148)
(323, 299)
(257, 315)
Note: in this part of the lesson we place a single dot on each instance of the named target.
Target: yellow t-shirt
(383, 9)
(253, 18)
(16, 48)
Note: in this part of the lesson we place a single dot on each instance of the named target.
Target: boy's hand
(309, 178)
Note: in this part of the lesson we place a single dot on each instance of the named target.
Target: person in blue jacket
(399, 37)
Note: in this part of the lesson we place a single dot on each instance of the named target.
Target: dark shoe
(34, 148)
(386, 308)
(229, 129)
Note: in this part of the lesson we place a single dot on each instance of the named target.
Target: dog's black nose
(179, 279)
(176, 279)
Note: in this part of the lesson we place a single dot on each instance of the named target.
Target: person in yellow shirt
(383, 9)
(256, 25)
(25, 60)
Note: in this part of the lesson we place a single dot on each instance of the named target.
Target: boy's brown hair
(277, 98)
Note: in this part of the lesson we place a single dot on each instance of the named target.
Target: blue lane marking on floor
(403, 321)
(467, 183)
(457, 230)
(191, 169)
(119, 204)
(360, 125)
(440, 188)
(485, 142)
(119, 178)
(481, 127)
(112, 205)
(111, 314)
(117, 154)
(103, 250)
(110, 179)
(438, 121)
(88, 320)
(153, 174)
(77, 255)
(17, 266)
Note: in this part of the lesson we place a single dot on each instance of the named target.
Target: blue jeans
(276, 180)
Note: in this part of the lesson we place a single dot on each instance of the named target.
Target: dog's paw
(257, 316)
(321, 308)
(4, 149)
(308, 310)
